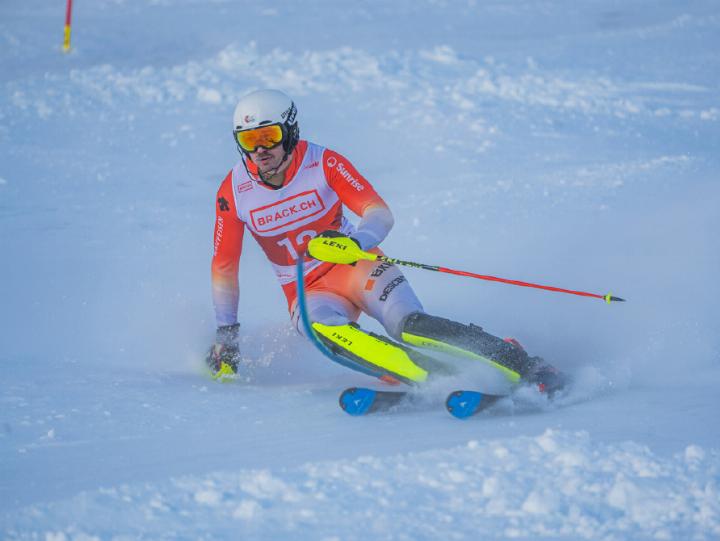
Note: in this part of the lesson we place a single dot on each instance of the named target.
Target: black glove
(333, 234)
(225, 350)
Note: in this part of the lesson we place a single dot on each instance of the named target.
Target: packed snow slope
(561, 142)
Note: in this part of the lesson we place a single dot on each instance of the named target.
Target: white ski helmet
(266, 107)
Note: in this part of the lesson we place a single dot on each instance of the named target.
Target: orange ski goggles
(266, 137)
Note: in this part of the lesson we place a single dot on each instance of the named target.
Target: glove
(223, 356)
(335, 247)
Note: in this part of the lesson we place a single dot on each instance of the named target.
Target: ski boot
(548, 379)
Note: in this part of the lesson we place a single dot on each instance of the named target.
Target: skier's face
(268, 159)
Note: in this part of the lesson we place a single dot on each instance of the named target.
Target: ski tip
(357, 401)
(610, 298)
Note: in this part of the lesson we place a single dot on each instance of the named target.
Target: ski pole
(348, 252)
(607, 298)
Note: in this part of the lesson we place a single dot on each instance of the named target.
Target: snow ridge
(560, 484)
(401, 81)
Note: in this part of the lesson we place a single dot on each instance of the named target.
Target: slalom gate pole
(349, 252)
(68, 24)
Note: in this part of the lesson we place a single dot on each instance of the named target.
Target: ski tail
(463, 404)
(358, 401)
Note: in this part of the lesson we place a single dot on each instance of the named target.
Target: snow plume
(559, 485)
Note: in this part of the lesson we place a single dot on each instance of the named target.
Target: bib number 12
(301, 239)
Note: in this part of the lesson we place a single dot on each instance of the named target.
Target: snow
(567, 143)
(522, 487)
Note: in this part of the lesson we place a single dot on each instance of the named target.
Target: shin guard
(375, 354)
(423, 330)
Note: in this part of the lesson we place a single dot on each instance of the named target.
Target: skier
(287, 191)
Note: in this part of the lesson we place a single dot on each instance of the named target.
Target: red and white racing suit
(319, 182)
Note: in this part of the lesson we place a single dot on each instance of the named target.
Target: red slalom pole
(68, 24)
(607, 298)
